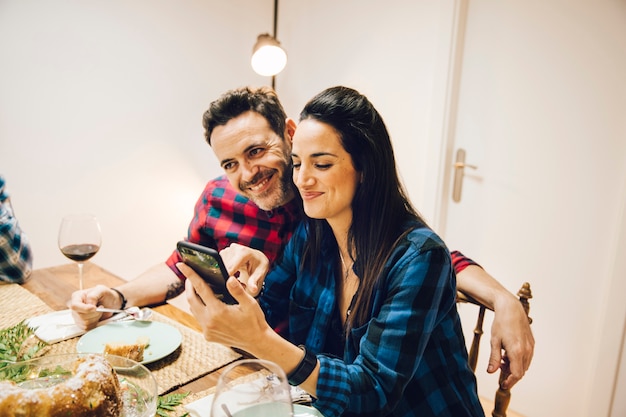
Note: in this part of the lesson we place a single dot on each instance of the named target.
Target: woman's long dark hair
(380, 208)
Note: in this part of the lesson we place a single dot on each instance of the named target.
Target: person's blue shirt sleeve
(15, 253)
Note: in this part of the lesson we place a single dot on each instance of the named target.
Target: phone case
(207, 263)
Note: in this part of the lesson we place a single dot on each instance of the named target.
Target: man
(255, 204)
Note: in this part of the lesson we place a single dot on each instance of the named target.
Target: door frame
(446, 82)
(610, 337)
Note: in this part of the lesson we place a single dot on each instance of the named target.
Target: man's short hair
(233, 103)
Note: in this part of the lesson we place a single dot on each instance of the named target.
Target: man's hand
(84, 302)
(511, 333)
(249, 266)
(512, 341)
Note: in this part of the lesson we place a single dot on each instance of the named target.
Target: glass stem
(80, 275)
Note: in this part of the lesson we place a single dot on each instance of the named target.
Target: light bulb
(268, 58)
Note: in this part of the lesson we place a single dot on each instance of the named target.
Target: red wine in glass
(79, 239)
(80, 253)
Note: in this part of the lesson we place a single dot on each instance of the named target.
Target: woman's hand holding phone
(207, 263)
(248, 265)
(232, 325)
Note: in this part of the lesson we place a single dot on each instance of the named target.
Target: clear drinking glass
(252, 387)
(139, 390)
(80, 239)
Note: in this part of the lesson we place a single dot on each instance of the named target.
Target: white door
(539, 111)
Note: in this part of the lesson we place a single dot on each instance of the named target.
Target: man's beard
(274, 197)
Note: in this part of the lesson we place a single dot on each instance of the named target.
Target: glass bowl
(138, 385)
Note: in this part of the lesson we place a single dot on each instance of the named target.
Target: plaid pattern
(223, 216)
(16, 258)
(410, 359)
(460, 262)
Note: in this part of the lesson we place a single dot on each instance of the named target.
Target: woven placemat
(193, 359)
(180, 411)
(17, 304)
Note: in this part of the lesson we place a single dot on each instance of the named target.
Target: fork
(134, 312)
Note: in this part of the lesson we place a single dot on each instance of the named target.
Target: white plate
(164, 339)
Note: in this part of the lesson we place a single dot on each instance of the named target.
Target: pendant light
(268, 57)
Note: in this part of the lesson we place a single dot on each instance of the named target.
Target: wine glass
(79, 239)
(252, 387)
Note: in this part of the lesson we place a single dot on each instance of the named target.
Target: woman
(366, 287)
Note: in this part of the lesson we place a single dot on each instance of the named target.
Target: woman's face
(323, 172)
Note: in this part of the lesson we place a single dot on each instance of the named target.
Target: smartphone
(207, 263)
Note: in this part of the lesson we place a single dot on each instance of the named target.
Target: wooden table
(55, 285)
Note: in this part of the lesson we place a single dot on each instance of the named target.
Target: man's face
(257, 162)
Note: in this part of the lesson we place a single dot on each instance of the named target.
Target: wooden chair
(503, 395)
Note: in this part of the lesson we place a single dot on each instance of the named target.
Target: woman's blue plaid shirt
(409, 359)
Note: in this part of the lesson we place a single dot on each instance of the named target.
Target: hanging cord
(274, 34)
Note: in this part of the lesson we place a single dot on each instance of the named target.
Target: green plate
(164, 339)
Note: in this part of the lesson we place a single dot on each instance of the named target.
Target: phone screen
(207, 263)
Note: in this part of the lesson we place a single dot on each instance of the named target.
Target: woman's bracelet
(304, 368)
(121, 297)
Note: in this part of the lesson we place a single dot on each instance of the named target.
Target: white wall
(388, 53)
(100, 111)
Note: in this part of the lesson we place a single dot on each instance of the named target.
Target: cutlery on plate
(134, 312)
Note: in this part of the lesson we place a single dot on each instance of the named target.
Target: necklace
(345, 267)
(346, 274)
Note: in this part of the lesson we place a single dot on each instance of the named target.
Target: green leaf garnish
(168, 402)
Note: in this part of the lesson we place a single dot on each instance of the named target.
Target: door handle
(459, 173)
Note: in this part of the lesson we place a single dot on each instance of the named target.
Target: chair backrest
(503, 395)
